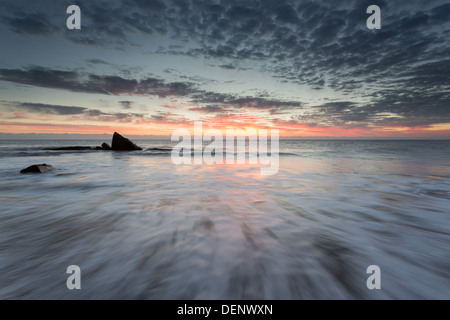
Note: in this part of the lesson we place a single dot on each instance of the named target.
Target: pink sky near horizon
(165, 128)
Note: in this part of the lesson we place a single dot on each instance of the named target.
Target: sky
(311, 69)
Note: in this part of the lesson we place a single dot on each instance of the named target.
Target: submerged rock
(105, 146)
(37, 168)
(121, 143)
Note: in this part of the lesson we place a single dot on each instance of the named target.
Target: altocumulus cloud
(401, 69)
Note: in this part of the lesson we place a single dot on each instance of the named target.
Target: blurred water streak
(141, 227)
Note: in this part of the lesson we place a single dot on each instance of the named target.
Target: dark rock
(122, 143)
(70, 148)
(106, 146)
(37, 168)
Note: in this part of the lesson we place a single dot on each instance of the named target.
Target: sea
(340, 219)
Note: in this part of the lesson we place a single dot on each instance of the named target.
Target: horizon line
(99, 136)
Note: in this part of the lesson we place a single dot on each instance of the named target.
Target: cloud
(218, 102)
(400, 70)
(48, 78)
(75, 112)
(227, 67)
(116, 85)
(47, 108)
(126, 104)
(92, 83)
(413, 107)
(310, 42)
(31, 24)
(208, 109)
(98, 61)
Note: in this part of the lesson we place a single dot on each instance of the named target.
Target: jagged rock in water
(122, 143)
(105, 146)
(37, 168)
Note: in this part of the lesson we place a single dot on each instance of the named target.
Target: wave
(56, 151)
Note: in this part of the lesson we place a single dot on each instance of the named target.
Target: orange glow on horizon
(164, 123)
(246, 120)
(162, 128)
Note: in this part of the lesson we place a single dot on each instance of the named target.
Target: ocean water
(141, 227)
